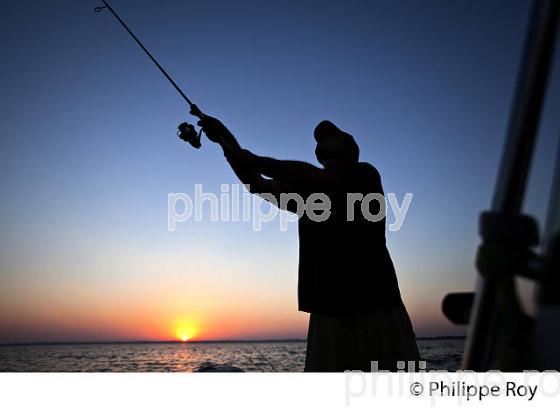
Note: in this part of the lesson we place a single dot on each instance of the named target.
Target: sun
(185, 330)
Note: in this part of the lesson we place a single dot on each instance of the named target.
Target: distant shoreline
(121, 342)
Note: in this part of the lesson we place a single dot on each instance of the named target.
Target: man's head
(335, 149)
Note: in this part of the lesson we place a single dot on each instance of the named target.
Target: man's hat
(327, 130)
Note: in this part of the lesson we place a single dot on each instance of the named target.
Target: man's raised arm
(303, 176)
(218, 133)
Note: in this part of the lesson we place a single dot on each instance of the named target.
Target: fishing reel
(188, 133)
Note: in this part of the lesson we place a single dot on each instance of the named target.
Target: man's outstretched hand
(214, 129)
(217, 132)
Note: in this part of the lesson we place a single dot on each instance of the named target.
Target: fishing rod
(187, 132)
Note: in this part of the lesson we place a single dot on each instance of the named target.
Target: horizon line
(169, 341)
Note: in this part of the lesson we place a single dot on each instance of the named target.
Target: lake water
(441, 354)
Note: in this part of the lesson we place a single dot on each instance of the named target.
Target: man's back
(344, 266)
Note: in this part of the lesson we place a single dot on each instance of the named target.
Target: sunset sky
(88, 154)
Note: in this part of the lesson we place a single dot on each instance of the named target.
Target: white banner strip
(352, 390)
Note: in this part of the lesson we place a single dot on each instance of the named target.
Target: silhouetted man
(346, 280)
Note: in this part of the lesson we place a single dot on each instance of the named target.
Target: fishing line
(264, 357)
